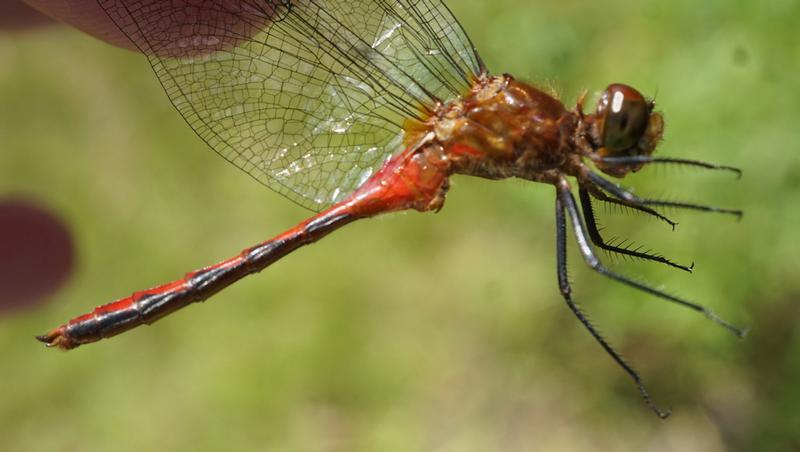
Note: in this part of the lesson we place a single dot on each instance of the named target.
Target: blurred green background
(418, 332)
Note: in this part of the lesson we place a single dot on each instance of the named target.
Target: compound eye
(625, 114)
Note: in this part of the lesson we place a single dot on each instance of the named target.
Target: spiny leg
(691, 206)
(597, 238)
(568, 201)
(596, 190)
(566, 292)
(644, 159)
(629, 197)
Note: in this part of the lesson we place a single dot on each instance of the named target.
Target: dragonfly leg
(646, 159)
(597, 238)
(692, 206)
(643, 204)
(597, 187)
(566, 292)
(570, 206)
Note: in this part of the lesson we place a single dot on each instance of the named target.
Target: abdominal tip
(46, 338)
(55, 338)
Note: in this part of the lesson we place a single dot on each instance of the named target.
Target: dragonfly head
(624, 125)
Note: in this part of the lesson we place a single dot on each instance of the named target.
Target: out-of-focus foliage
(419, 332)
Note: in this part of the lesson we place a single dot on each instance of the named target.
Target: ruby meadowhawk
(358, 108)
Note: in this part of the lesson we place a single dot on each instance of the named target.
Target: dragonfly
(359, 108)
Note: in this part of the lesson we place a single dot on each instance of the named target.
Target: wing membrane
(309, 97)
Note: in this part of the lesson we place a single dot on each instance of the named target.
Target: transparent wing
(307, 96)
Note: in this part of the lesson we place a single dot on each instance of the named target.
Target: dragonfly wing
(309, 97)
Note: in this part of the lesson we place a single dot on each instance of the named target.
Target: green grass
(418, 332)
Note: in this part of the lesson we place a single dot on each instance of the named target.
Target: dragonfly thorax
(505, 128)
